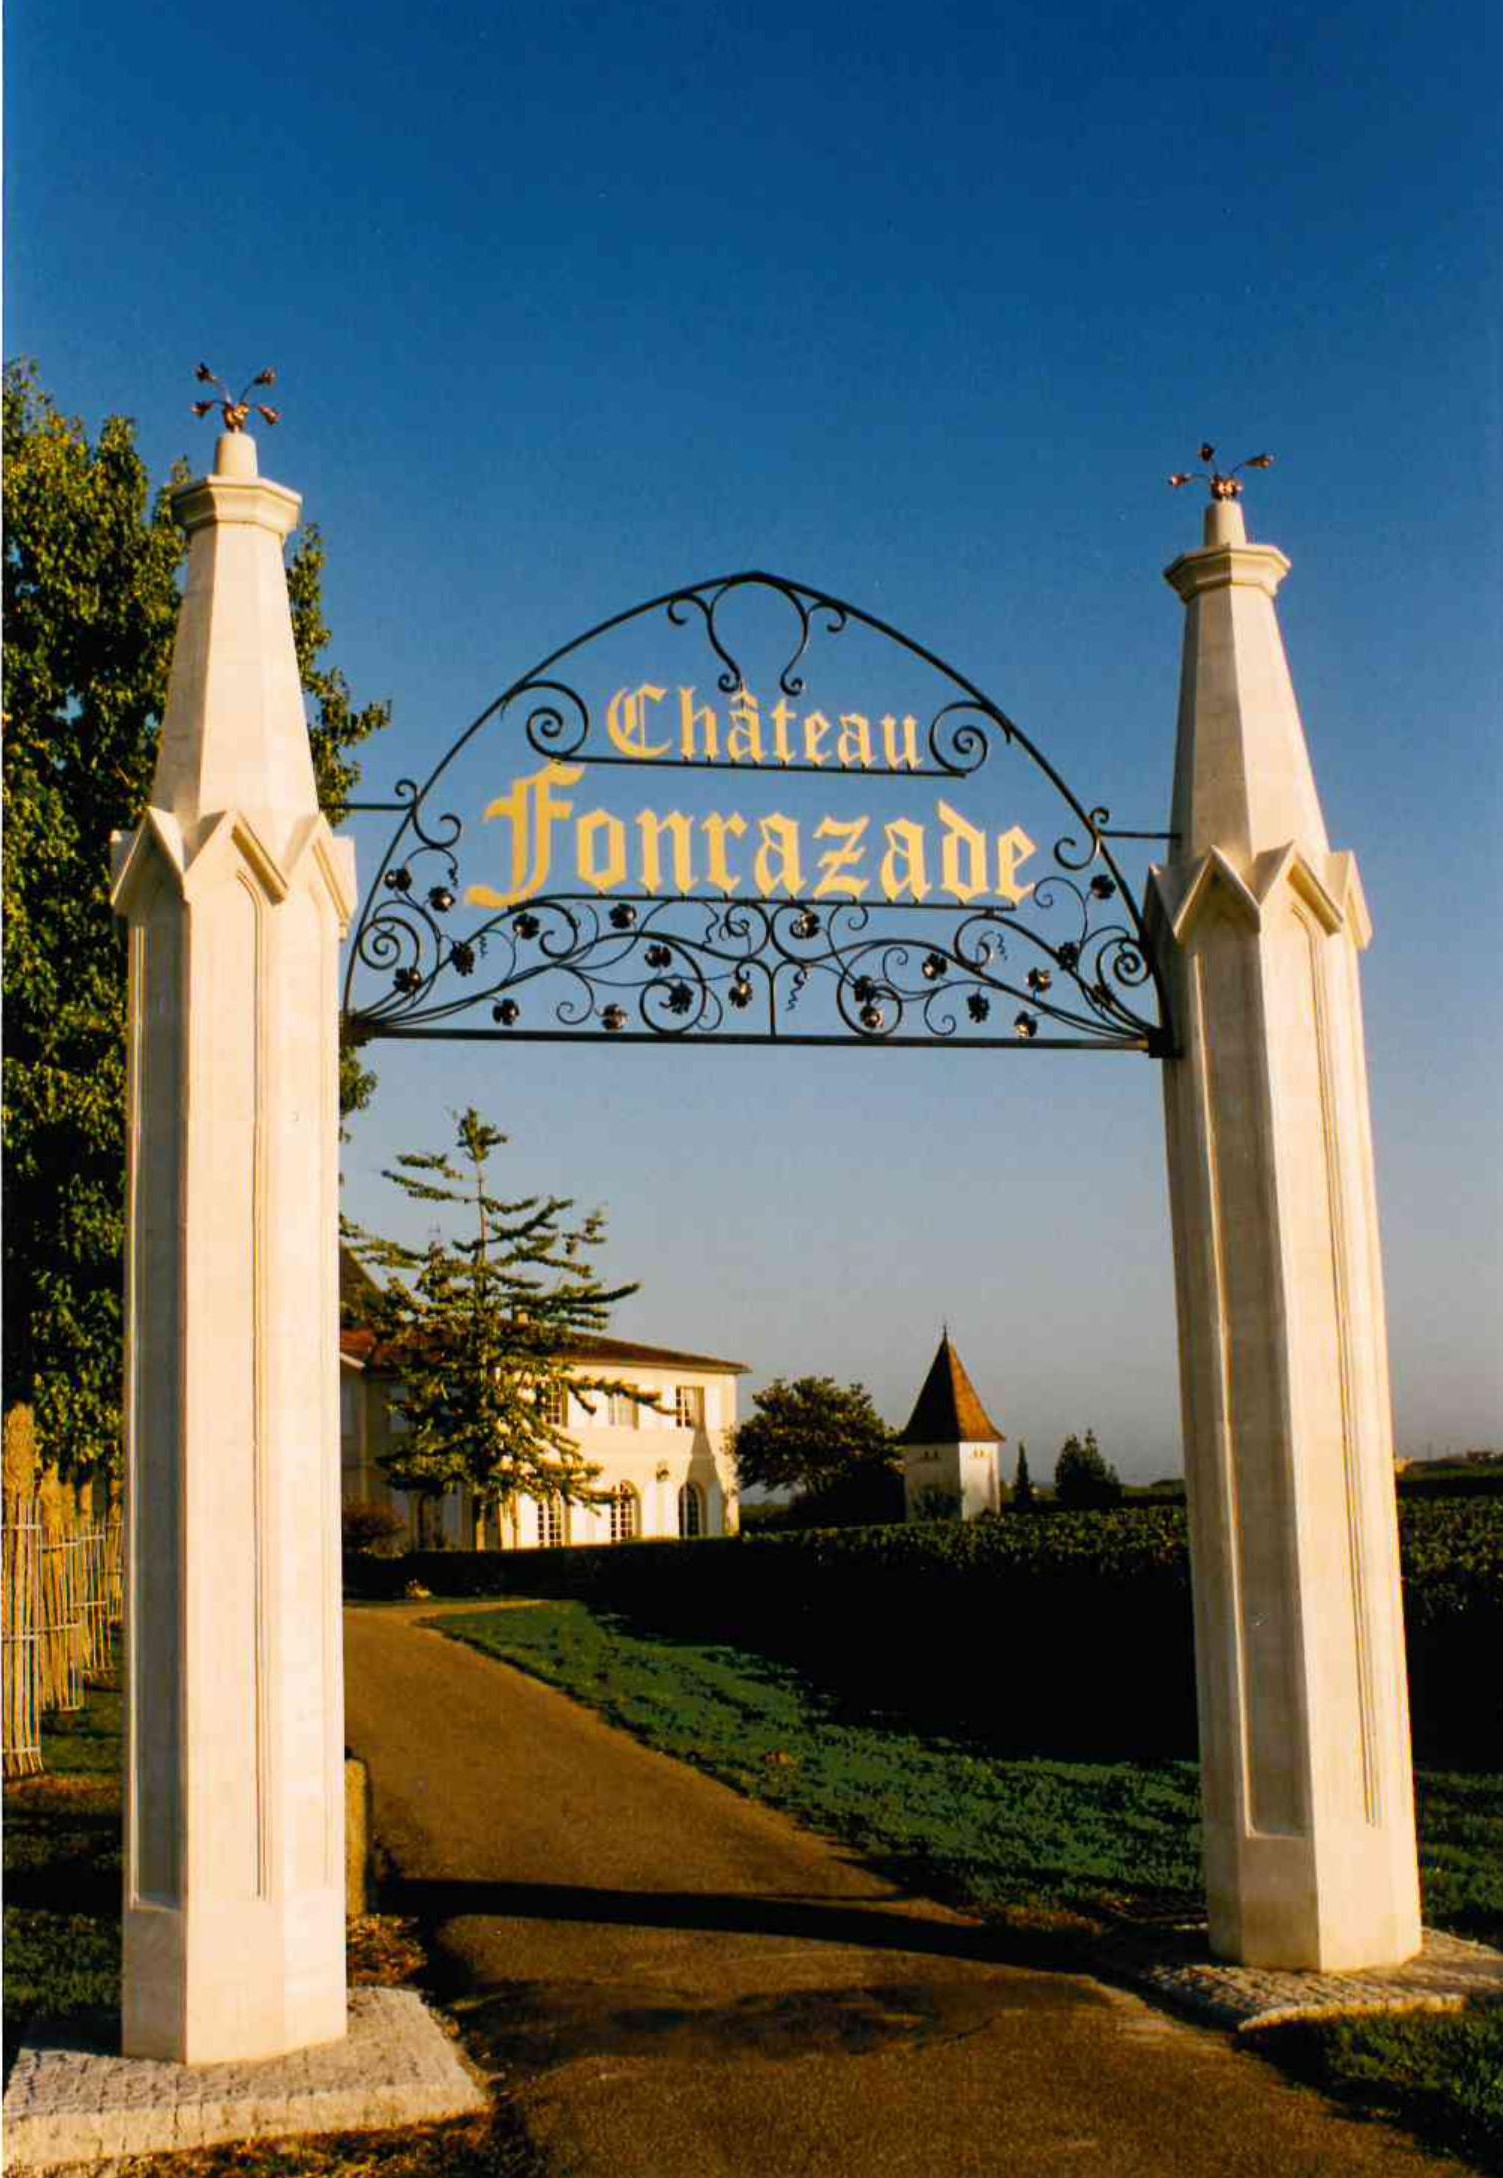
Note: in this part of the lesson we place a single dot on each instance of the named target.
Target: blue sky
(573, 304)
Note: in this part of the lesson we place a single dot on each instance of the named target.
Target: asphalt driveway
(682, 1984)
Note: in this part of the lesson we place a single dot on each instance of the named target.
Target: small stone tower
(951, 1448)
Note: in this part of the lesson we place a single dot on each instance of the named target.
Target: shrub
(367, 1524)
(935, 1502)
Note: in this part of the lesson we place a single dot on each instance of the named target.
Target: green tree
(481, 1329)
(827, 1443)
(1083, 1482)
(91, 600)
(1023, 1498)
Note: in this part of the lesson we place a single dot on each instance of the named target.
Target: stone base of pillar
(1270, 1902)
(396, 2067)
(228, 1983)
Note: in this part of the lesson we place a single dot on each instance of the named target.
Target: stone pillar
(1304, 1724)
(237, 896)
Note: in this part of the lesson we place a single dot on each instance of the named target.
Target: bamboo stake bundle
(20, 1586)
(114, 1571)
(61, 1624)
(95, 1603)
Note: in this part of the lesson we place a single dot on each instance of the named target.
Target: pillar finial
(1222, 487)
(234, 407)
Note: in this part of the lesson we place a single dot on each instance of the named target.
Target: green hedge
(1069, 1633)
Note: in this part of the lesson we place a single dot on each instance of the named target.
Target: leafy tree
(1023, 1499)
(824, 1441)
(480, 1330)
(91, 599)
(1083, 1482)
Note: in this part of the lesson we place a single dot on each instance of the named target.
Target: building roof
(364, 1348)
(947, 1410)
(361, 1347)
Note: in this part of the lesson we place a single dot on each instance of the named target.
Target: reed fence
(62, 1602)
(21, 1598)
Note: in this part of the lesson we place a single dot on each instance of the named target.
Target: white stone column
(237, 895)
(1309, 1806)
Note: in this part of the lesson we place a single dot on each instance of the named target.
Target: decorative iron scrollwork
(683, 966)
(1067, 962)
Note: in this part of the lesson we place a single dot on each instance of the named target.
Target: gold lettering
(903, 864)
(652, 829)
(744, 741)
(907, 753)
(715, 829)
(779, 839)
(783, 715)
(626, 721)
(1012, 848)
(689, 719)
(533, 813)
(959, 835)
(606, 872)
(816, 728)
(845, 857)
(855, 743)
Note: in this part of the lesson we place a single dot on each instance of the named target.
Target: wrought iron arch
(1069, 965)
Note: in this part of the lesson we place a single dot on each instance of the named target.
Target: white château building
(665, 1470)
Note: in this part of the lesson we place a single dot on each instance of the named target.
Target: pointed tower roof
(947, 1410)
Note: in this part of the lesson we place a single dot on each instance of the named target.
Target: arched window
(625, 1514)
(691, 1510)
(553, 1522)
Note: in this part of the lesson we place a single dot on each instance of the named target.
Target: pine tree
(1023, 1499)
(481, 1329)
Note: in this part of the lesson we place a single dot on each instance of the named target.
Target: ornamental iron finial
(1222, 487)
(234, 407)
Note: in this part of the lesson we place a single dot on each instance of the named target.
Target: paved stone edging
(1173, 1964)
(395, 2067)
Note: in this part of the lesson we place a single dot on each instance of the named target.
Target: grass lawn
(1046, 1845)
(62, 1964)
